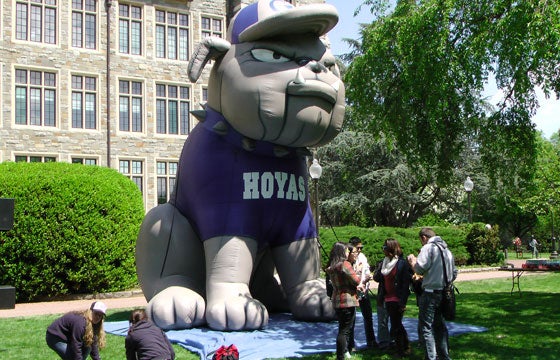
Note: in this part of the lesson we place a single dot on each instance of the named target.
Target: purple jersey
(224, 189)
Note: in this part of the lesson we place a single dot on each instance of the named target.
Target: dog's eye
(266, 55)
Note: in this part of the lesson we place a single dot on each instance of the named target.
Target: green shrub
(74, 232)
(483, 245)
(373, 239)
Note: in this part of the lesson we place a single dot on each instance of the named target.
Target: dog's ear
(209, 48)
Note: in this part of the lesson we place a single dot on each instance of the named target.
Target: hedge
(75, 229)
(373, 239)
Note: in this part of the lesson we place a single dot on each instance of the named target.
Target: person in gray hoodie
(432, 330)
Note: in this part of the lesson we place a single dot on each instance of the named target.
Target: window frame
(36, 110)
(35, 27)
(161, 51)
(128, 47)
(181, 112)
(168, 178)
(84, 91)
(85, 30)
(132, 98)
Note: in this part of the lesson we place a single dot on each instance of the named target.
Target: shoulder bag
(448, 304)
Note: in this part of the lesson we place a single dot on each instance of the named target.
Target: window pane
(21, 21)
(21, 105)
(76, 29)
(35, 107)
(173, 117)
(160, 116)
(50, 109)
(185, 127)
(136, 38)
(77, 110)
(90, 30)
(123, 114)
(136, 114)
(91, 114)
(160, 41)
(50, 26)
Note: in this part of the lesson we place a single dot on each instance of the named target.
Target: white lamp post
(315, 171)
(469, 185)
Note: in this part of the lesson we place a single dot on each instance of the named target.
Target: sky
(547, 118)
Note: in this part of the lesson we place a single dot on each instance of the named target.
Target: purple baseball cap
(269, 18)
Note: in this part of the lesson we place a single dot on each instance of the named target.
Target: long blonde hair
(93, 330)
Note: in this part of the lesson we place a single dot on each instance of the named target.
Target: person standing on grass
(146, 341)
(384, 340)
(394, 284)
(346, 284)
(432, 330)
(534, 245)
(78, 334)
(361, 267)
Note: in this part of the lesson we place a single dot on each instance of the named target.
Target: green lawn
(519, 327)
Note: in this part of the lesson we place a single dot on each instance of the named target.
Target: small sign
(6, 214)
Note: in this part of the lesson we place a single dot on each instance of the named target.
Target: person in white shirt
(361, 266)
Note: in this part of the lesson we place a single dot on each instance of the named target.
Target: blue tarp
(283, 337)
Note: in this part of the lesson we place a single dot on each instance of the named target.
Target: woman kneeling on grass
(78, 334)
(146, 341)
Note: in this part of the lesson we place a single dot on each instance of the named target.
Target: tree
(366, 183)
(423, 68)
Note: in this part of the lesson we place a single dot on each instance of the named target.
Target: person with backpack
(432, 330)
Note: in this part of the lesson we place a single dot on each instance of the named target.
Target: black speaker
(6, 214)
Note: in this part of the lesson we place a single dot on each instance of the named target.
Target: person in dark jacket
(78, 334)
(394, 281)
(146, 341)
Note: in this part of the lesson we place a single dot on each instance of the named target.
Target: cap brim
(317, 19)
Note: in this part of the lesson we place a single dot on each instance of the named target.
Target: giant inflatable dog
(238, 239)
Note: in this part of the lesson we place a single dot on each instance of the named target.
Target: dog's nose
(316, 66)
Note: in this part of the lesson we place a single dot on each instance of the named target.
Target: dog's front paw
(177, 308)
(236, 312)
(309, 302)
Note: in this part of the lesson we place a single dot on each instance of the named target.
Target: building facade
(104, 82)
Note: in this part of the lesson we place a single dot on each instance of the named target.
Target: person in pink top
(394, 280)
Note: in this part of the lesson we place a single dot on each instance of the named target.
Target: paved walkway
(135, 299)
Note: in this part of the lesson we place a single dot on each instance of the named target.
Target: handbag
(225, 353)
(448, 303)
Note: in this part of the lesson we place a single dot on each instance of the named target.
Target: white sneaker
(347, 355)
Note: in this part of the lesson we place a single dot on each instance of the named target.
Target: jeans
(398, 332)
(346, 318)
(365, 307)
(432, 331)
(61, 347)
(383, 337)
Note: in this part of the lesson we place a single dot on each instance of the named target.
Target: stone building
(104, 82)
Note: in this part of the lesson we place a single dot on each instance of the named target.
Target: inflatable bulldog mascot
(238, 238)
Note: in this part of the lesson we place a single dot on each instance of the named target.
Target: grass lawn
(519, 327)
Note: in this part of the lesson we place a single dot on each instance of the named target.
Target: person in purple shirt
(78, 334)
(146, 341)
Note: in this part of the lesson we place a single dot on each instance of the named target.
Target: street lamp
(315, 171)
(469, 185)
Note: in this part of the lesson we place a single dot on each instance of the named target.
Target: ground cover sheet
(283, 337)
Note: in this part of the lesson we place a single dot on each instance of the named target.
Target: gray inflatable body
(238, 238)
